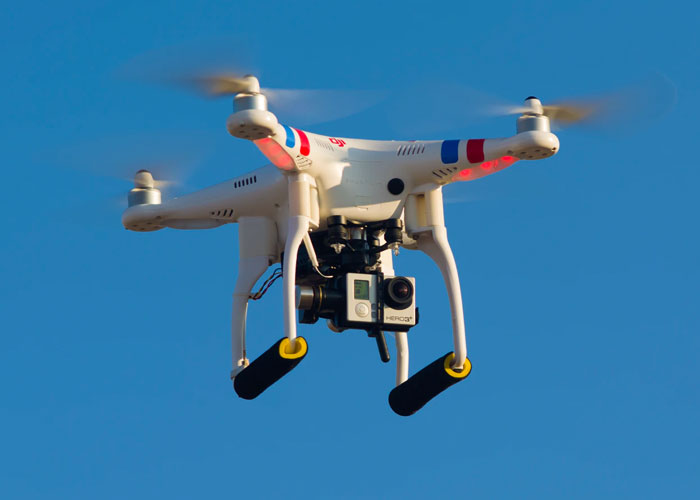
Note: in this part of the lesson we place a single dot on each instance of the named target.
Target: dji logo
(338, 142)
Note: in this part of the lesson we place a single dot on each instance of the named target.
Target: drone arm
(425, 223)
(467, 160)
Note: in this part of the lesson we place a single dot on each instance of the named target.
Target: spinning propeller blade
(301, 106)
(221, 68)
(637, 103)
(171, 158)
(219, 74)
(438, 107)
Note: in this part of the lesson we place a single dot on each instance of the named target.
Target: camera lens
(398, 293)
(401, 290)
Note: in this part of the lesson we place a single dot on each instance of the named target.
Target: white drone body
(312, 177)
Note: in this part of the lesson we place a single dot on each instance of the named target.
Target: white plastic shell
(252, 124)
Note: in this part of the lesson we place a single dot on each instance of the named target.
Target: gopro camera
(366, 301)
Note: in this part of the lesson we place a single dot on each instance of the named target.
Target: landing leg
(386, 259)
(257, 248)
(401, 357)
(434, 243)
(299, 191)
(298, 227)
(249, 271)
(426, 225)
(287, 352)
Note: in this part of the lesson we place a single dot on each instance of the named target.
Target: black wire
(266, 284)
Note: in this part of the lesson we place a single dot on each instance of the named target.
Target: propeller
(215, 70)
(170, 156)
(563, 114)
(224, 67)
(438, 107)
(647, 99)
(110, 166)
(101, 205)
(300, 106)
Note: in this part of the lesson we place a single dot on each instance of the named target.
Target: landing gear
(425, 224)
(345, 274)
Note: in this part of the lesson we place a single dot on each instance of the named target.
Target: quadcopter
(334, 212)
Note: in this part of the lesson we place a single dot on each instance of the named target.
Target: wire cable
(277, 274)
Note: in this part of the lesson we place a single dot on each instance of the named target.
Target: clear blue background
(580, 273)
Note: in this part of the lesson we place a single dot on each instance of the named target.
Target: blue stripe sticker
(290, 137)
(450, 151)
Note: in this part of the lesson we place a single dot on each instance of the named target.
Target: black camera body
(347, 286)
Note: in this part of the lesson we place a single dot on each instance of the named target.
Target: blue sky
(579, 272)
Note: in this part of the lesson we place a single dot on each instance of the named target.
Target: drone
(334, 213)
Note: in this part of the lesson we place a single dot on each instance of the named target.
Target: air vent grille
(410, 149)
(245, 181)
(323, 145)
(224, 213)
(444, 172)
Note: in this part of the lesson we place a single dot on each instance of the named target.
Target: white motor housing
(251, 120)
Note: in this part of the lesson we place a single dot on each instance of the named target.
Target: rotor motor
(533, 117)
(251, 119)
(144, 191)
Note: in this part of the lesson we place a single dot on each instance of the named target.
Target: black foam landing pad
(267, 369)
(409, 397)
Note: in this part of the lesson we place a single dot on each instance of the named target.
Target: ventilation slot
(323, 145)
(410, 149)
(444, 172)
(225, 213)
(245, 181)
(302, 161)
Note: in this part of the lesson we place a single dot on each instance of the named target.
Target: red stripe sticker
(304, 149)
(475, 150)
